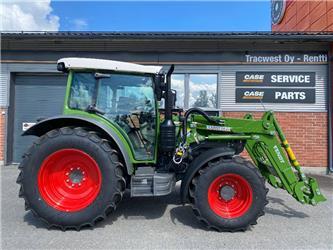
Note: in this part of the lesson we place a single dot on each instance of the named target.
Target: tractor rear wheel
(228, 195)
(71, 178)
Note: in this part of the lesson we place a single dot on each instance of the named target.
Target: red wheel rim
(230, 196)
(69, 180)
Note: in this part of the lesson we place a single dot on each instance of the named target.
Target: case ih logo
(253, 95)
(253, 78)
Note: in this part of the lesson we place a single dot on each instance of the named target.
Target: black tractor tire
(237, 210)
(79, 164)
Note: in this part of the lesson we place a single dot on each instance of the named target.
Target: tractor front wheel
(228, 195)
(71, 178)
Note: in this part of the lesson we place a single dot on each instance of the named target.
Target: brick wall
(305, 132)
(2, 133)
(307, 15)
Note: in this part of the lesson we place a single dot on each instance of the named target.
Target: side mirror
(159, 86)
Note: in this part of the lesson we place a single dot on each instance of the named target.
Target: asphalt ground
(163, 223)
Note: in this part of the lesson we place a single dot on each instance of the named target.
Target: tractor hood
(101, 64)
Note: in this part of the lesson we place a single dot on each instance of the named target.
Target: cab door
(126, 100)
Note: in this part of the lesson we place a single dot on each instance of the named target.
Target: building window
(194, 90)
(178, 84)
(203, 91)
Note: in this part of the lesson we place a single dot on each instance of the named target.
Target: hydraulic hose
(187, 114)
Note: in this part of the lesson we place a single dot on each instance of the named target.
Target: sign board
(278, 8)
(275, 95)
(27, 125)
(285, 58)
(262, 57)
(276, 79)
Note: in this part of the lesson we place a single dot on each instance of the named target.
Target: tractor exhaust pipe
(168, 96)
(168, 128)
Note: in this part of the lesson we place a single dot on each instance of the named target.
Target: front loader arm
(268, 148)
(277, 162)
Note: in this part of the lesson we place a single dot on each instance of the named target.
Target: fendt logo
(257, 95)
(278, 154)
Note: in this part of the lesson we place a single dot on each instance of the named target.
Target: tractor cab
(122, 93)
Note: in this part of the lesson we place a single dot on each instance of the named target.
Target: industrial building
(236, 73)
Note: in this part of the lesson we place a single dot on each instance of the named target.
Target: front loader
(113, 136)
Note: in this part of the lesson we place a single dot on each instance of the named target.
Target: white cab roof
(91, 63)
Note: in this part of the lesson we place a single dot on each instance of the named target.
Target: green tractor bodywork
(158, 147)
(264, 141)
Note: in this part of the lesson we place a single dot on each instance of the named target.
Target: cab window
(127, 100)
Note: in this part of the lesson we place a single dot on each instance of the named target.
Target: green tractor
(112, 136)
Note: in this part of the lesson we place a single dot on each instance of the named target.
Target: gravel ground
(163, 223)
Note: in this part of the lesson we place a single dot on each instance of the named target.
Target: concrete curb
(314, 170)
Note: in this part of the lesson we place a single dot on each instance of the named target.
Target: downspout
(330, 109)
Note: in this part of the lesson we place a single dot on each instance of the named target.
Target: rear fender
(46, 125)
(197, 164)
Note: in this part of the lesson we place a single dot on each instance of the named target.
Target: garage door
(36, 96)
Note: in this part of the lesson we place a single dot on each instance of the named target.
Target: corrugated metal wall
(4, 86)
(226, 83)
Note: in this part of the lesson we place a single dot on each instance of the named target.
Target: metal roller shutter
(36, 96)
(3, 86)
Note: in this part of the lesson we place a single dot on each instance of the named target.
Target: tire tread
(194, 201)
(103, 143)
